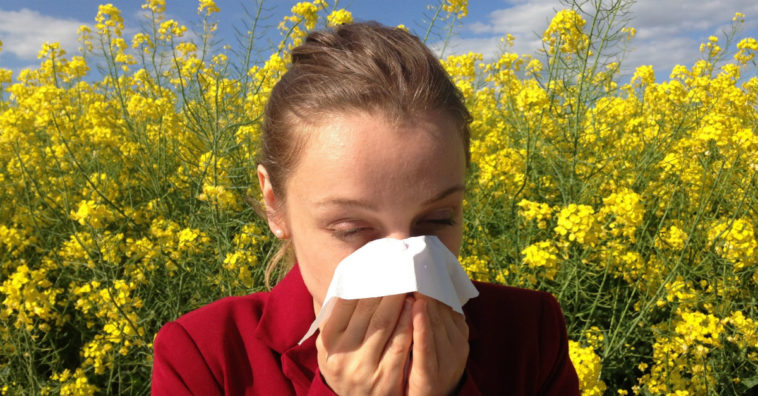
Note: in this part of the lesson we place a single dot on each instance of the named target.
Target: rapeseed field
(129, 196)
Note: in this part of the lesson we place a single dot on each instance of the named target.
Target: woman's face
(361, 177)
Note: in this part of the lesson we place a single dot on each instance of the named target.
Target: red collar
(286, 317)
(288, 313)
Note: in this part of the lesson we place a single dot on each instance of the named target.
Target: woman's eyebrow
(454, 189)
(353, 203)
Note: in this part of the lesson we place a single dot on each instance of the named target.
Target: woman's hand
(364, 346)
(440, 348)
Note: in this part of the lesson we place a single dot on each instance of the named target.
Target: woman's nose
(402, 227)
(399, 235)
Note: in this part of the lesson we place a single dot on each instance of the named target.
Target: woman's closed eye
(435, 223)
(445, 221)
(355, 230)
(349, 230)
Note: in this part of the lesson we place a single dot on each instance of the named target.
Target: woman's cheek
(452, 239)
(318, 264)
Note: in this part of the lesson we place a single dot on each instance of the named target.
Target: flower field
(130, 196)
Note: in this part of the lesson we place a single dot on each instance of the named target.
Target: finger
(461, 327)
(338, 321)
(454, 348)
(449, 323)
(424, 353)
(438, 327)
(383, 323)
(400, 340)
(397, 350)
(339, 341)
(358, 348)
(355, 332)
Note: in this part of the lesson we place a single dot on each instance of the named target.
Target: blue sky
(668, 31)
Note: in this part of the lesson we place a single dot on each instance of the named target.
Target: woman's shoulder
(234, 317)
(522, 313)
(518, 337)
(203, 348)
(511, 298)
(234, 311)
(218, 348)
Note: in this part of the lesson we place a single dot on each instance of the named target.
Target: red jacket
(248, 346)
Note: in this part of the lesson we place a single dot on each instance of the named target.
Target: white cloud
(684, 16)
(522, 19)
(23, 32)
(663, 55)
(478, 27)
(668, 32)
(488, 46)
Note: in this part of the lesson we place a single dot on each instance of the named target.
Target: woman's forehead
(361, 152)
(361, 138)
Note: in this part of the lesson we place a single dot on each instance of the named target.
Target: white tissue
(389, 266)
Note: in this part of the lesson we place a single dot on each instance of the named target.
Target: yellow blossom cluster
(542, 255)
(303, 19)
(565, 33)
(626, 209)
(588, 367)
(462, 68)
(457, 7)
(30, 300)
(476, 267)
(577, 223)
(208, 7)
(695, 336)
(75, 384)
(339, 17)
(671, 237)
(536, 211)
(735, 242)
(115, 307)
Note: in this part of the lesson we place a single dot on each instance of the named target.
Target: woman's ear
(273, 211)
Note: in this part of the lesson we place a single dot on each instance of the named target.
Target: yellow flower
(644, 75)
(577, 223)
(540, 212)
(626, 209)
(672, 238)
(542, 255)
(565, 33)
(156, 6)
(476, 267)
(109, 20)
(736, 242)
(169, 29)
(630, 32)
(747, 49)
(207, 6)
(92, 213)
(457, 7)
(588, 368)
(339, 17)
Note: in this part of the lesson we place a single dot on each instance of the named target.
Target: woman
(364, 137)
